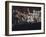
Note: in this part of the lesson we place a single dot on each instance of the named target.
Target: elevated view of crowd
(32, 15)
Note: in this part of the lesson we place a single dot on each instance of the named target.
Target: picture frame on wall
(24, 18)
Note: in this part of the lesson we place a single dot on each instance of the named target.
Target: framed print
(24, 18)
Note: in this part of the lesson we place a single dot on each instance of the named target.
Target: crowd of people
(26, 16)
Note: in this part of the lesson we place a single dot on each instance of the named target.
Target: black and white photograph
(25, 18)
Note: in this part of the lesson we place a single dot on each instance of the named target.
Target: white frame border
(27, 31)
